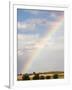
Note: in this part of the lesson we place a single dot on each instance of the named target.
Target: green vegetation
(26, 77)
(41, 77)
(48, 77)
(55, 76)
(36, 77)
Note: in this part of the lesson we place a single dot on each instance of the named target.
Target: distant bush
(41, 77)
(26, 77)
(36, 77)
(55, 76)
(48, 77)
(34, 73)
(20, 74)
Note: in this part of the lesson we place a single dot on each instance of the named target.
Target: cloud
(49, 49)
(25, 26)
(34, 12)
(27, 37)
(29, 43)
(31, 24)
(19, 52)
(25, 41)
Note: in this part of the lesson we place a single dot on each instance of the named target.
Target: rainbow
(54, 28)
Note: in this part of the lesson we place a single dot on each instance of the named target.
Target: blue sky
(24, 14)
(32, 27)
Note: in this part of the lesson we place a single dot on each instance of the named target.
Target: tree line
(37, 77)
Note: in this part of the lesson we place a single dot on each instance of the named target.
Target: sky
(40, 40)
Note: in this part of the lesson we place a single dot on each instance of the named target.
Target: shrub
(34, 73)
(26, 77)
(42, 77)
(55, 76)
(36, 77)
(48, 77)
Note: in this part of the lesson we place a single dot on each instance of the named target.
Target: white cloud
(31, 24)
(29, 37)
(27, 41)
(25, 26)
(33, 42)
(19, 52)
